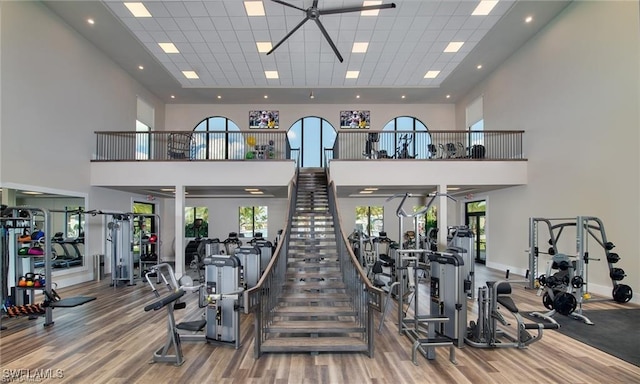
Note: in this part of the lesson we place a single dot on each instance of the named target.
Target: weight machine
(565, 283)
(462, 240)
(486, 333)
(445, 324)
(219, 294)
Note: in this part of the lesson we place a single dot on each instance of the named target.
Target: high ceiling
(217, 40)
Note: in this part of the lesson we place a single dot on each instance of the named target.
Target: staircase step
(318, 326)
(298, 297)
(314, 344)
(313, 275)
(312, 311)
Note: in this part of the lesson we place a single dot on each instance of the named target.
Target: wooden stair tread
(313, 344)
(318, 326)
(313, 310)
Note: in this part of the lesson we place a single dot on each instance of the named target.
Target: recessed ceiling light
(271, 74)
(91, 21)
(528, 19)
(167, 189)
(454, 46)
(251, 189)
(365, 192)
(254, 8)
(448, 96)
(371, 189)
(360, 47)
(264, 46)
(219, 97)
(357, 96)
(352, 74)
(190, 74)
(372, 12)
(137, 9)
(453, 188)
(168, 47)
(256, 192)
(484, 7)
(403, 96)
(32, 193)
(431, 74)
(140, 67)
(173, 96)
(479, 66)
(266, 96)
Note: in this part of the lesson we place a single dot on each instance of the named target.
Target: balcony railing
(182, 145)
(349, 145)
(493, 145)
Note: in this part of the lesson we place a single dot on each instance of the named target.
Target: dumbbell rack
(20, 264)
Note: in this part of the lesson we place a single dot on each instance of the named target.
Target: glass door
(475, 219)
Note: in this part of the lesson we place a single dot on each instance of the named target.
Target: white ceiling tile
(244, 36)
(168, 24)
(160, 37)
(222, 23)
(157, 9)
(196, 9)
(447, 8)
(204, 23)
(186, 23)
(243, 22)
(194, 36)
(236, 8)
(210, 36)
(215, 8)
(447, 35)
(227, 36)
(176, 37)
(149, 24)
(456, 22)
(145, 37)
(462, 35)
(489, 21)
(176, 9)
(438, 22)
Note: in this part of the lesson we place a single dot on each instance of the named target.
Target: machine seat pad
(389, 261)
(193, 326)
(503, 289)
(508, 303)
(544, 325)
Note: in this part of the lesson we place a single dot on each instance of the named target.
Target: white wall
(187, 116)
(574, 90)
(57, 89)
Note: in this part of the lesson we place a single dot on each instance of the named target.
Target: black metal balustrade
(349, 145)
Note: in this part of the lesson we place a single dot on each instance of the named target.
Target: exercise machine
(486, 331)
(219, 294)
(443, 325)
(231, 243)
(462, 240)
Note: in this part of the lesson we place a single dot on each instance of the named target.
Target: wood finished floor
(111, 340)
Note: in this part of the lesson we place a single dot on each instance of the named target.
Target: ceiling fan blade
(355, 9)
(288, 5)
(326, 36)
(288, 35)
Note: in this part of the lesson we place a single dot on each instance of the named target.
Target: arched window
(312, 134)
(410, 138)
(217, 138)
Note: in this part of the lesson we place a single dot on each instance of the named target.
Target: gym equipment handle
(164, 301)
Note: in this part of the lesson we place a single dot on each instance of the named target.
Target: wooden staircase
(314, 312)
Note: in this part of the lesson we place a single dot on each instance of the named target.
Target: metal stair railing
(263, 298)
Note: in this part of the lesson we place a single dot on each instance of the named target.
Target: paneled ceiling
(217, 40)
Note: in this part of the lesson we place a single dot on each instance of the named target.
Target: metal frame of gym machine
(578, 279)
(446, 325)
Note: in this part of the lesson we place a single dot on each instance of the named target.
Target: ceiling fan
(313, 13)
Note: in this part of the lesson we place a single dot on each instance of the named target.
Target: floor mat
(615, 331)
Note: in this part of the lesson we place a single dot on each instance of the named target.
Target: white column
(179, 230)
(442, 217)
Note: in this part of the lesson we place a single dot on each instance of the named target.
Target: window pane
(142, 141)
(376, 224)
(260, 220)
(196, 221)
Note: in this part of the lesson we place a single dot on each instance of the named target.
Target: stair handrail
(262, 298)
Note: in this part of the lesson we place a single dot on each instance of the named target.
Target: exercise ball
(251, 140)
(250, 155)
